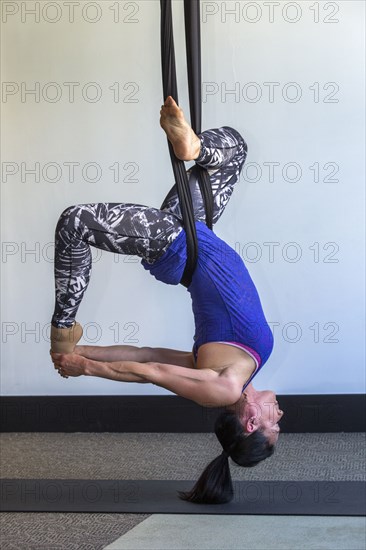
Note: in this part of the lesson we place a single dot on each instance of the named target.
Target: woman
(232, 341)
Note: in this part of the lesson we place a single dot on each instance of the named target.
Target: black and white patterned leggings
(135, 229)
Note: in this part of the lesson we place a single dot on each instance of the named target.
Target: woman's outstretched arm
(144, 354)
(206, 387)
(76, 365)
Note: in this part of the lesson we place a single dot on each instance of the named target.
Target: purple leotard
(225, 302)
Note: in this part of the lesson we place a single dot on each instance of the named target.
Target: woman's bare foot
(64, 340)
(186, 144)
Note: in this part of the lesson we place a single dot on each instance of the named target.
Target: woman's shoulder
(230, 362)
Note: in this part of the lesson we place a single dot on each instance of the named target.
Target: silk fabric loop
(193, 50)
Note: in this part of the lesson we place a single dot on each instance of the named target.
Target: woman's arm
(145, 354)
(120, 371)
(77, 365)
(206, 387)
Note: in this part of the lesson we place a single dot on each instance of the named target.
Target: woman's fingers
(59, 363)
(71, 364)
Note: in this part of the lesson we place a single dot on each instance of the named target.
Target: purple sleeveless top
(225, 302)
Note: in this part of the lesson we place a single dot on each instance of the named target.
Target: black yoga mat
(314, 498)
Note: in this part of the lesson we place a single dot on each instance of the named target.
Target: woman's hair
(215, 485)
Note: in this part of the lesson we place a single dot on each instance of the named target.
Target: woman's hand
(69, 364)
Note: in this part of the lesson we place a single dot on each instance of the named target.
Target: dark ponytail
(215, 484)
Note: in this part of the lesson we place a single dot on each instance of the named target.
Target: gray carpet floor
(329, 457)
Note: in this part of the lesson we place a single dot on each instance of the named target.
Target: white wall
(316, 302)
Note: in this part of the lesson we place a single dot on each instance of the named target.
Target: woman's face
(269, 415)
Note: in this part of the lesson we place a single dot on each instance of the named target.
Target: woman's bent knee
(238, 137)
(67, 217)
(69, 211)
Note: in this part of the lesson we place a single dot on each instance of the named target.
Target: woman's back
(225, 302)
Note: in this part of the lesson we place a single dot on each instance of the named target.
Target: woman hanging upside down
(232, 339)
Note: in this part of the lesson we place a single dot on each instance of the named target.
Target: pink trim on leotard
(249, 350)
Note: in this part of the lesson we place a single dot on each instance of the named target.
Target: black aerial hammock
(193, 50)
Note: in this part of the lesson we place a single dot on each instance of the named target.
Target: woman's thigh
(122, 228)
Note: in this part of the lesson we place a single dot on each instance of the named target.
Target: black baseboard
(303, 414)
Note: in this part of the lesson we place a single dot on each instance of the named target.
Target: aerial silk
(193, 51)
